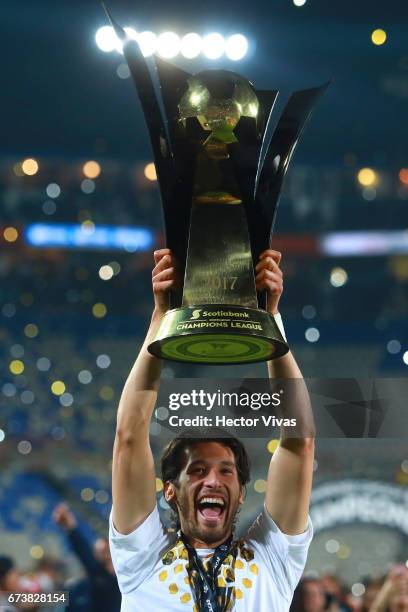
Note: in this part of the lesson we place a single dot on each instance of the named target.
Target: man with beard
(202, 567)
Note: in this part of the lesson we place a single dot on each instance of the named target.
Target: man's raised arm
(133, 475)
(290, 473)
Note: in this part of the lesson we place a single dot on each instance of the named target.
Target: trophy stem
(219, 267)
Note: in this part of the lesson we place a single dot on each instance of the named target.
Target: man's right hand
(163, 279)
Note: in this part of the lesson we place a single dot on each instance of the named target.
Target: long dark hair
(172, 460)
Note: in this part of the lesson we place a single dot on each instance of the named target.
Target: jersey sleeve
(136, 554)
(284, 555)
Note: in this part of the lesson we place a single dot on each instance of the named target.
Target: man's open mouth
(211, 508)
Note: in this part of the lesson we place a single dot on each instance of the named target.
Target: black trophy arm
(273, 168)
(151, 108)
(283, 143)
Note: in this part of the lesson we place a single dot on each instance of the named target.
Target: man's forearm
(140, 391)
(284, 367)
(295, 402)
(133, 474)
(145, 374)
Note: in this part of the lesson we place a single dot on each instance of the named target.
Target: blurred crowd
(96, 588)
(326, 593)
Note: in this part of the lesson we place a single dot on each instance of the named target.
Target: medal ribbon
(205, 583)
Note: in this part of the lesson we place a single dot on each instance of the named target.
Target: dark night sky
(61, 95)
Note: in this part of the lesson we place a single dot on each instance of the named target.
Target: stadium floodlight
(191, 45)
(213, 45)
(168, 45)
(148, 42)
(106, 39)
(236, 47)
(131, 34)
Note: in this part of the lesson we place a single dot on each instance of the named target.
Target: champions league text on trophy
(220, 176)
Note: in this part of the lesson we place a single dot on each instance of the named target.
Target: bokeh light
(30, 166)
(338, 277)
(309, 311)
(10, 234)
(332, 546)
(88, 226)
(272, 446)
(16, 367)
(168, 45)
(87, 186)
(37, 551)
(236, 47)
(103, 361)
(87, 494)
(150, 172)
(260, 485)
(8, 310)
(106, 39)
(403, 176)
(49, 207)
(31, 330)
(9, 390)
(116, 267)
(106, 393)
(378, 37)
(148, 42)
(405, 358)
(91, 169)
(367, 177)
(85, 377)
(343, 552)
(123, 71)
(191, 45)
(358, 589)
(299, 2)
(58, 387)
(159, 485)
(213, 45)
(312, 334)
(24, 447)
(53, 190)
(105, 272)
(17, 169)
(369, 194)
(394, 347)
(99, 310)
(66, 399)
(43, 364)
(27, 397)
(101, 497)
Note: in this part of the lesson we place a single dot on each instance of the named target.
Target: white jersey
(152, 576)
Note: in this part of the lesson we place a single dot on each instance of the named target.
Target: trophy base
(218, 334)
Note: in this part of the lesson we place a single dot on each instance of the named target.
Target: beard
(207, 531)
